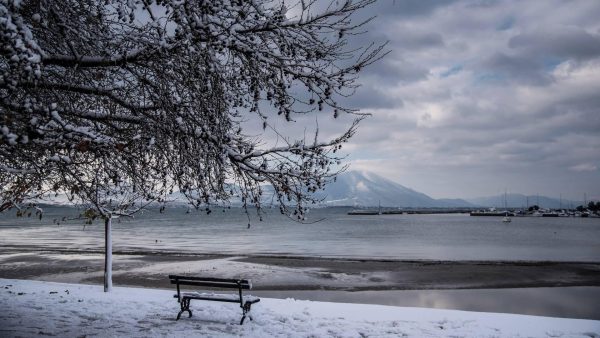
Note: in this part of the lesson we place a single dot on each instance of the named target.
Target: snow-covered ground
(31, 308)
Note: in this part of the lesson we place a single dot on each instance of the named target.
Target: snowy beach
(73, 310)
(557, 289)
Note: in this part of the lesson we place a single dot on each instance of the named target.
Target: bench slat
(225, 285)
(209, 279)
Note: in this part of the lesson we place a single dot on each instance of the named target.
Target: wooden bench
(184, 298)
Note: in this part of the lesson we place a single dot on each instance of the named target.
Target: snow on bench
(223, 297)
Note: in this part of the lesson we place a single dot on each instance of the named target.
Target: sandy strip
(300, 273)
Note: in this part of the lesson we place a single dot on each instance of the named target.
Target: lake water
(570, 302)
(333, 234)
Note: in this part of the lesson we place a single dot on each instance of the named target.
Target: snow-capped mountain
(359, 188)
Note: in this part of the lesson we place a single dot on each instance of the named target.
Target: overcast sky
(479, 96)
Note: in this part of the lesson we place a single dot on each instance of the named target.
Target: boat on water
(506, 219)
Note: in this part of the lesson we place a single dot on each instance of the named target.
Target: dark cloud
(563, 42)
(394, 69)
(509, 68)
(578, 114)
(417, 40)
(408, 8)
(370, 97)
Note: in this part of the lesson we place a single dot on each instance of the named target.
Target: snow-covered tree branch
(118, 103)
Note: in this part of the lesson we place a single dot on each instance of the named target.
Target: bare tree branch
(119, 104)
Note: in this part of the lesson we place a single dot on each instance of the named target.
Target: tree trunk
(107, 254)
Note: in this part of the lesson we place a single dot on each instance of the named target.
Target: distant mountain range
(366, 189)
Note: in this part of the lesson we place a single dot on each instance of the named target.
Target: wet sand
(428, 275)
(298, 273)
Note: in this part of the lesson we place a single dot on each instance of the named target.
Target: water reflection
(570, 302)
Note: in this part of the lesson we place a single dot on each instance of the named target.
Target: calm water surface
(336, 234)
(570, 302)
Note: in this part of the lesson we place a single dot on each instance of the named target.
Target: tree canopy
(120, 103)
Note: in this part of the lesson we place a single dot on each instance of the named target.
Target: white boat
(506, 219)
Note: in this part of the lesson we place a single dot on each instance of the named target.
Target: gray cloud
(509, 68)
(409, 8)
(369, 96)
(421, 40)
(476, 97)
(482, 95)
(394, 69)
(561, 42)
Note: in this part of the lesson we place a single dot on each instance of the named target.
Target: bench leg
(245, 312)
(244, 317)
(185, 306)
